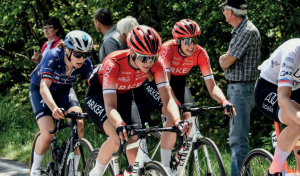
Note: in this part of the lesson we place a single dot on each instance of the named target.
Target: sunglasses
(78, 55)
(146, 58)
(188, 41)
(47, 28)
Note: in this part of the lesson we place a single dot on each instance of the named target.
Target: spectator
(240, 63)
(124, 26)
(51, 31)
(111, 40)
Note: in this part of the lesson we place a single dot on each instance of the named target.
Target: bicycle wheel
(91, 162)
(257, 162)
(48, 157)
(155, 168)
(85, 149)
(208, 161)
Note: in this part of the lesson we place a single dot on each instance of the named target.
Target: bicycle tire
(48, 157)
(216, 161)
(87, 149)
(91, 162)
(156, 167)
(259, 158)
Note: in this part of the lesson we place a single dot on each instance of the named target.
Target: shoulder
(118, 55)
(169, 43)
(250, 28)
(54, 53)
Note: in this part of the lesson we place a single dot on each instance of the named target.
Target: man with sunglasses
(179, 56)
(240, 64)
(109, 97)
(51, 89)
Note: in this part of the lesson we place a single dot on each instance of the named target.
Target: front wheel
(48, 157)
(91, 162)
(206, 159)
(257, 162)
(83, 149)
(155, 168)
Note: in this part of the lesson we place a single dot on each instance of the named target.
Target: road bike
(143, 165)
(59, 161)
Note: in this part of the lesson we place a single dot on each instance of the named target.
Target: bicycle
(196, 140)
(205, 161)
(258, 161)
(143, 164)
(57, 160)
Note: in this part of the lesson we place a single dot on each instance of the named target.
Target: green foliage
(21, 32)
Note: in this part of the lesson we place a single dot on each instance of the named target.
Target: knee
(114, 143)
(46, 138)
(80, 125)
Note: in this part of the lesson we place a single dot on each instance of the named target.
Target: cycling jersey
(283, 67)
(53, 67)
(116, 75)
(179, 65)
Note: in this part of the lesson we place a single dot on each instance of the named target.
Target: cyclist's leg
(167, 139)
(266, 101)
(45, 122)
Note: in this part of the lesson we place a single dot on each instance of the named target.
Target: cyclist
(277, 95)
(179, 56)
(111, 109)
(51, 89)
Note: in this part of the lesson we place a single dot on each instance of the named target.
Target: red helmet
(185, 28)
(144, 40)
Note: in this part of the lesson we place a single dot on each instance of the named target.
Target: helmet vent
(78, 42)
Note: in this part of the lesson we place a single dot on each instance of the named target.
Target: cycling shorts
(179, 86)
(266, 99)
(64, 98)
(126, 107)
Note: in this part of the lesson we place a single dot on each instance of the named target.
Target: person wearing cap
(240, 65)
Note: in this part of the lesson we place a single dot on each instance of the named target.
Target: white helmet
(79, 40)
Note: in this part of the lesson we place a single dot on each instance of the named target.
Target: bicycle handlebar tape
(180, 143)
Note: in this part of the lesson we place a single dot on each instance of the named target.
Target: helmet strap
(69, 57)
(180, 50)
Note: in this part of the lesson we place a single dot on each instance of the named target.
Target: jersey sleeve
(49, 63)
(287, 68)
(88, 69)
(204, 64)
(110, 70)
(160, 74)
(165, 56)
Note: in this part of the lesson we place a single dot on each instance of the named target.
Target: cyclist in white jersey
(277, 95)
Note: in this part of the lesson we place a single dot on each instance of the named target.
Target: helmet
(79, 40)
(144, 40)
(185, 28)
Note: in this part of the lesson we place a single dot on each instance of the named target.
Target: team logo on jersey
(164, 52)
(175, 63)
(50, 62)
(274, 63)
(176, 58)
(126, 73)
(123, 79)
(297, 76)
(207, 59)
(291, 60)
(287, 66)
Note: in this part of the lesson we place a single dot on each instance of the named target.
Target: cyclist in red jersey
(111, 109)
(179, 56)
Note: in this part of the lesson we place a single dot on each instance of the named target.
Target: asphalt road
(13, 168)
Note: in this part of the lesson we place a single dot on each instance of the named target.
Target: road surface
(13, 168)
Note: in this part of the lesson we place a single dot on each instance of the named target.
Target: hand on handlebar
(122, 131)
(226, 103)
(182, 125)
(58, 113)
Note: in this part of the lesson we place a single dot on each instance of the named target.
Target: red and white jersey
(178, 65)
(116, 75)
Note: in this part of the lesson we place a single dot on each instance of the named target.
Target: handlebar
(145, 132)
(71, 115)
(196, 110)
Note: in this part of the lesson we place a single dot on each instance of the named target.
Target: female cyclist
(279, 80)
(109, 99)
(51, 89)
(179, 56)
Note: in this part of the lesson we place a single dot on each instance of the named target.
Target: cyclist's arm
(110, 101)
(214, 91)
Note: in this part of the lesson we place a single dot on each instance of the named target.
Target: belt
(235, 82)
